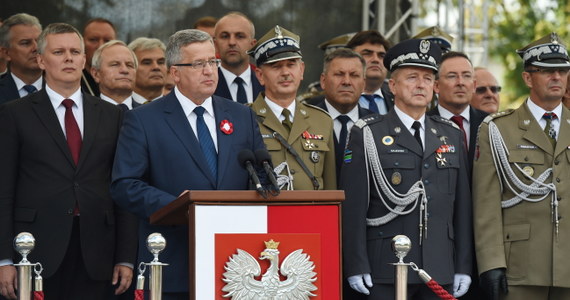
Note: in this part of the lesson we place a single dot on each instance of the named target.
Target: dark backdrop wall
(315, 21)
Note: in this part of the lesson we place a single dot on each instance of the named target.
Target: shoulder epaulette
(316, 107)
(368, 120)
(498, 115)
(443, 120)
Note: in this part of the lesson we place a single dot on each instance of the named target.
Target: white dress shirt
(188, 106)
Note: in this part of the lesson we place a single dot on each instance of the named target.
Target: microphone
(246, 159)
(264, 159)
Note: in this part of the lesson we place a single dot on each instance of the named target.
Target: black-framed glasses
(483, 89)
(549, 71)
(200, 64)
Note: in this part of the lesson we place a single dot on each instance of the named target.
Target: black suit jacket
(475, 118)
(89, 85)
(388, 96)
(223, 91)
(41, 184)
(8, 89)
(362, 112)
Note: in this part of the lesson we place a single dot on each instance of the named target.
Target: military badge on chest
(309, 144)
(440, 158)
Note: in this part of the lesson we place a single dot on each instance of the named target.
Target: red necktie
(72, 131)
(459, 121)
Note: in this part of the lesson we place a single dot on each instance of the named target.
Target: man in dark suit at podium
(187, 140)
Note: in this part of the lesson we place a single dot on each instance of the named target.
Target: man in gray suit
(420, 187)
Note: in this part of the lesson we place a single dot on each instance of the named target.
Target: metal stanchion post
(24, 244)
(401, 245)
(155, 244)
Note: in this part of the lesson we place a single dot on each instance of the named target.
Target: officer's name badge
(526, 147)
(308, 136)
(446, 149)
(347, 156)
(267, 136)
(397, 151)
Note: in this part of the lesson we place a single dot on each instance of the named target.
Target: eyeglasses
(549, 71)
(483, 89)
(200, 64)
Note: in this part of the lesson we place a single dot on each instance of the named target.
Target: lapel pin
(263, 111)
(397, 130)
(526, 122)
(387, 140)
(226, 127)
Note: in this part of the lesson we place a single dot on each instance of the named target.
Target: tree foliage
(516, 23)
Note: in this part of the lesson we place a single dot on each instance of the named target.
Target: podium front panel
(219, 230)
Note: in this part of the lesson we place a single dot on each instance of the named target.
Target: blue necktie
(241, 96)
(206, 142)
(30, 88)
(371, 103)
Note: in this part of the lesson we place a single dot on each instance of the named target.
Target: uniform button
(557, 179)
(558, 198)
(292, 171)
(426, 166)
(396, 164)
(426, 181)
(556, 162)
(526, 159)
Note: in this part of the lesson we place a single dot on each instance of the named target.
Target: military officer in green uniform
(521, 185)
(299, 136)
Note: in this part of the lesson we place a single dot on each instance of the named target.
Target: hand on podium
(493, 282)
(357, 283)
(8, 281)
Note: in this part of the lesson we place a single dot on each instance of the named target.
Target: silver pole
(155, 244)
(401, 245)
(24, 244)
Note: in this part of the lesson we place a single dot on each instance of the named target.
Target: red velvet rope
(439, 291)
(139, 294)
(39, 295)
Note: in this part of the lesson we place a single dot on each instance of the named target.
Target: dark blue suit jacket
(222, 89)
(8, 89)
(158, 157)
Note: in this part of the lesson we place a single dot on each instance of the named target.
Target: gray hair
(57, 28)
(17, 19)
(98, 57)
(181, 39)
(144, 43)
(342, 53)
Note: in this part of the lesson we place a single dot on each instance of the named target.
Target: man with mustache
(520, 187)
(299, 136)
(373, 46)
(404, 173)
(151, 71)
(234, 36)
(113, 68)
(18, 42)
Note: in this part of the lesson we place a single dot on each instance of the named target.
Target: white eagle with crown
(242, 268)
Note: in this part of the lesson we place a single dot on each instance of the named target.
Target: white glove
(357, 282)
(461, 284)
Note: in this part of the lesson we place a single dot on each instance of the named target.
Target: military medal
(396, 178)
(443, 139)
(347, 156)
(528, 170)
(315, 156)
(440, 159)
(309, 136)
(387, 140)
(309, 145)
(445, 149)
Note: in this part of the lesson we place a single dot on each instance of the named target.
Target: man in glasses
(455, 86)
(521, 185)
(187, 140)
(486, 96)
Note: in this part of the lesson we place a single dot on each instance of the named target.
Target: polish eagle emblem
(242, 268)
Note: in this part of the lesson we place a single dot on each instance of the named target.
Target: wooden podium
(220, 222)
